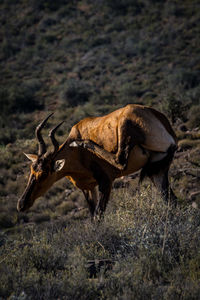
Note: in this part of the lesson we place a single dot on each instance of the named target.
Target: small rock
(194, 205)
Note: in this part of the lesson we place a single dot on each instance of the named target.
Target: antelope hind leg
(161, 182)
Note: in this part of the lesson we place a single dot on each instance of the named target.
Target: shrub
(184, 78)
(129, 93)
(19, 98)
(75, 92)
(6, 221)
(194, 117)
(50, 38)
(173, 107)
(9, 48)
(48, 4)
(123, 6)
(6, 134)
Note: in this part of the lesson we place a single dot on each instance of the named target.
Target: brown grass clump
(188, 144)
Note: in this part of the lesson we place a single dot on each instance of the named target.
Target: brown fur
(124, 127)
(105, 148)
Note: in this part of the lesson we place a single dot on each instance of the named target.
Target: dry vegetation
(82, 58)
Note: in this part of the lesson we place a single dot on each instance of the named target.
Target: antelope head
(45, 168)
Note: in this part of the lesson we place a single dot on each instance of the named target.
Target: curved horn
(42, 146)
(52, 137)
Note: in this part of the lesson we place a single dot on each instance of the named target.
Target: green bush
(184, 78)
(19, 98)
(48, 4)
(6, 134)
(75, 92)
(173, 107)
(9, 48)
(123, 6)
(6, 221)
(194, 116)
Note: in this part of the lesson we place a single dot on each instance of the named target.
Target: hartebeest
(100, 149)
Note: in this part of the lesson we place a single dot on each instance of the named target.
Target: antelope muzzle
(27, 199)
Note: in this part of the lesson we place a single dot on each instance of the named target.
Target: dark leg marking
(91, 202)
(105, 185)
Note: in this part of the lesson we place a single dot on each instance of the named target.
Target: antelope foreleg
(100, 152)
(91, 197)
(105, 185)
(104, 194)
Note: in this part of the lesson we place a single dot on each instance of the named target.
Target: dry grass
(153, 252)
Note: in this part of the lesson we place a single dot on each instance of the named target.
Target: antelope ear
(32, 157)
(59, 164)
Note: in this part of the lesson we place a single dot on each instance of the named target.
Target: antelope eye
(46, 169)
